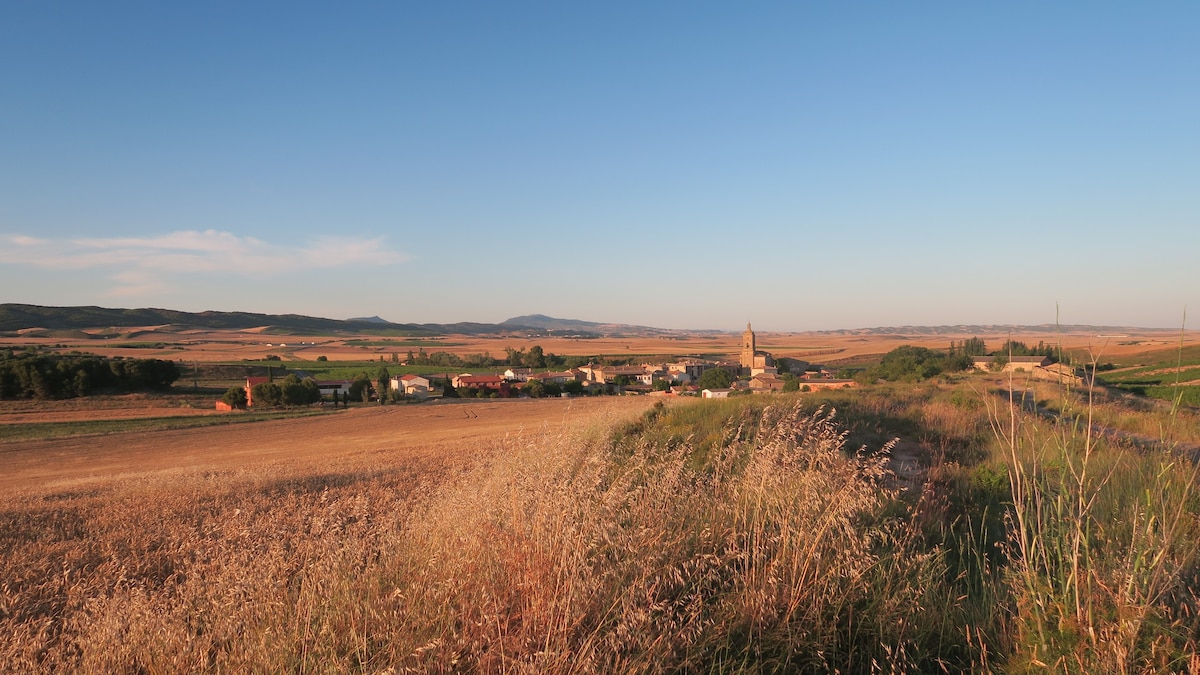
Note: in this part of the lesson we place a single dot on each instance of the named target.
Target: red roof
(480, 379)
(410, 376)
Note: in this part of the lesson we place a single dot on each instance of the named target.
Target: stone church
(752, 359)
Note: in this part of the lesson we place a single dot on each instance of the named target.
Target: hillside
(541, 322)
(68, 321)
(18, 317)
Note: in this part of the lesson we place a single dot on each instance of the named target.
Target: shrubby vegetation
(38, 375)
(535, 358)
(912, 364)
(715, 378)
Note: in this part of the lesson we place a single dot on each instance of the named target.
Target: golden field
(208, 346)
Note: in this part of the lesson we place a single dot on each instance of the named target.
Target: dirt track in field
(359, 437)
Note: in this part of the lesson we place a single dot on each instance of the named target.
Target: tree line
(535, 357)
(43, 376)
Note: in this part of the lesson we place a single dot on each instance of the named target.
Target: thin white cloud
(136, 283)
(144, 265)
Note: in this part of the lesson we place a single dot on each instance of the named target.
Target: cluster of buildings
(755, 371)
(1040, 367)
(676, 377)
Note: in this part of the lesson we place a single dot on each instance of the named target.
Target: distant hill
(15, 317)
(50, 321)
(68, 321)
(541, 322)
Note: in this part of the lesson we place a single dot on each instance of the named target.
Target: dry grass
(555, 554)
(1105, 544)
(738, 535)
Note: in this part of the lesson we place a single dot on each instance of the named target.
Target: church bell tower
(748, 347)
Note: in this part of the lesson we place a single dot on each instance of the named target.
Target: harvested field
(221, 549)
(224, 346)
(359, 437)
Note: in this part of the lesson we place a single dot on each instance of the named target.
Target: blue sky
(807, 166)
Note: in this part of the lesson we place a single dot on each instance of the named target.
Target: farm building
(822, 383)
(331, 387)
(1026, 363)
(250, 382)
(478, 381)
(411, 385)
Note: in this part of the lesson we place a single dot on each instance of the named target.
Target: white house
(411, 385)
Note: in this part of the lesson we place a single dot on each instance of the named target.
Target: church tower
(748, 347)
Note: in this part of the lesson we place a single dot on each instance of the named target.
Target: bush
(267, 394)
(235, 397)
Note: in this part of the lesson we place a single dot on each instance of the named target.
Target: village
(754, 372)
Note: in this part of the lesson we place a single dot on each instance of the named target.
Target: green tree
(973, 347)
(536, 358)
(360, 389)
(267, 394)
(383, 381)
(791, 382)
(535, 388)
(715, 378)
(235, 397)
(294, 393)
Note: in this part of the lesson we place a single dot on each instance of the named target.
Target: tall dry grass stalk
(1104, 543)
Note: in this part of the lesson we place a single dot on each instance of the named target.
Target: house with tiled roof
(411, 385)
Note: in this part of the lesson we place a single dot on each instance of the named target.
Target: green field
(1155, 374)
(48, 430)
(401, 343)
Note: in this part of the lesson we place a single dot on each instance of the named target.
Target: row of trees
(36, 375)
(977, 347)
(535, 357)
